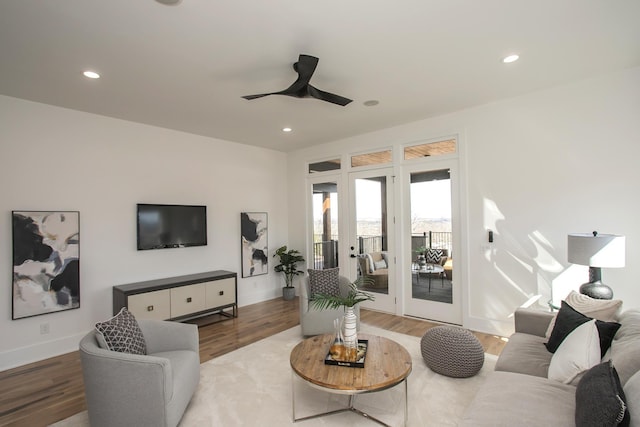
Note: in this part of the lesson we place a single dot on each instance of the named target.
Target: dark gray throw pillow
(606, 331)
(600, 399)
(121, 333)
(325, 282)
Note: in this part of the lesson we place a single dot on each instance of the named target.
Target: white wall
(57, 159)
(537, 167)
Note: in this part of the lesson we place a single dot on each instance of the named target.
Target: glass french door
(371, 237)
(432, 242)
(325, 224)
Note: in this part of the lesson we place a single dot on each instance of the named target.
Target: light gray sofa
(315, 322)
(519, 393)
(152, 390)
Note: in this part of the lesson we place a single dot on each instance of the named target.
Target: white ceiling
(186, 66)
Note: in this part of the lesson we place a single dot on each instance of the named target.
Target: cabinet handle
(189, 299)
(221, 293)
(149, 308)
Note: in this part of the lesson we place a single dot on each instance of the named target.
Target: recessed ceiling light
(91, 74)
(510, 58)
(286, 129)
(371, 102)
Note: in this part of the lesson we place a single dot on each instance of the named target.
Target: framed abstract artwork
(46, 262)
(253, 231)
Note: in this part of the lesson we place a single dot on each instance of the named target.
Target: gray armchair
(152, 390)
(315, 322)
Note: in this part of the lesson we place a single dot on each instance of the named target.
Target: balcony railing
(325, 253)
(368, 244)
(432, 239)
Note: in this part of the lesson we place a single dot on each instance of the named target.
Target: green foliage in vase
(421, 250)
(353, 297)
(289, 260)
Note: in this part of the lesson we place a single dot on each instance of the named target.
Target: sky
(429, 200)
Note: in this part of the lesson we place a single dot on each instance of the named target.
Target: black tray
(362, 344)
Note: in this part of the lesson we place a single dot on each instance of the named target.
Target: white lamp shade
(602, 250)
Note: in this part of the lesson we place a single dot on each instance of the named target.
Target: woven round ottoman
(451, 351)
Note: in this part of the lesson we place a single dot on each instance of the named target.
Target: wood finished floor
(44, 392)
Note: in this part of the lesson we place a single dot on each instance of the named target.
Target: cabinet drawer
(187, 299)
(150, 305)
(221, 292)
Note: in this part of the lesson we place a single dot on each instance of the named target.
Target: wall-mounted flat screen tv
(171, 226)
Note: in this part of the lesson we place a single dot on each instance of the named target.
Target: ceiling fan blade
(329, 97)
(250, 97)
(305, 67)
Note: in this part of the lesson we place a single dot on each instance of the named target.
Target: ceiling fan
(301, 88)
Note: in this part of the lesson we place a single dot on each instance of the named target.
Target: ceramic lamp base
(597, 290)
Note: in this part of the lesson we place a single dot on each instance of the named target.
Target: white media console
(180, 298)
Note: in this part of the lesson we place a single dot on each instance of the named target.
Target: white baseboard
(40, 351)
(490, 326)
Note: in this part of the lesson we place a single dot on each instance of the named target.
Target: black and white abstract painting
(46, 262)
(253, 228)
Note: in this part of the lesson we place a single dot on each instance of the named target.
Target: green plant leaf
(353, 297)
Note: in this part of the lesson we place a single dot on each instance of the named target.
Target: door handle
(353, 256)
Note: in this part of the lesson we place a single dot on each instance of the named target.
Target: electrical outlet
(44, 328)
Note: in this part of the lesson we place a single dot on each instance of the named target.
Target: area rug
(253, 386)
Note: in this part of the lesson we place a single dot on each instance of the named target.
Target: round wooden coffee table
(387, 364)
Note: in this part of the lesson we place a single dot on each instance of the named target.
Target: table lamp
(596, 251)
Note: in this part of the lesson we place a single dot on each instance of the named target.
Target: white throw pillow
(579, 351)
(380, 265)
(372, 266)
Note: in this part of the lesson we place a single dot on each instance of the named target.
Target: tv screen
(171, 226)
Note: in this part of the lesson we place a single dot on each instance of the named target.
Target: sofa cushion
(121, 333)
(579, 351)
(525, 354)
(510, 399)
(600, 399)
(632, 392)
(325, 282)
(625, 348)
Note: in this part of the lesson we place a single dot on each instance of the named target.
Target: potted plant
(422, 252)
(353, 297)
(289, 260)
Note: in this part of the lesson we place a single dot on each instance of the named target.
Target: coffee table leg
(293, 404)
(406, 401)
(352, 399)
(293, 395)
